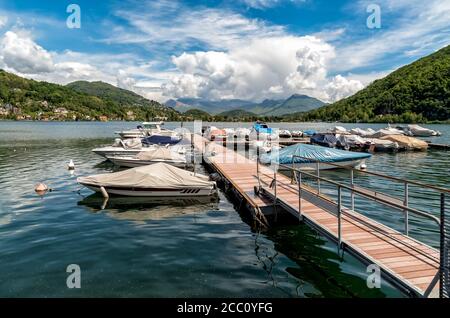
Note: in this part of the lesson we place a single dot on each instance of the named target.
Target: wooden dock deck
(406, 263)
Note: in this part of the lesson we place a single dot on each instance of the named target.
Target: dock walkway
(407, 263)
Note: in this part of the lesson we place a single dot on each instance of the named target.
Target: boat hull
(117, 152)
(154, 192)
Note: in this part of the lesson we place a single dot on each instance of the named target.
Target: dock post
(444, 264)
(318, 176)
(405, 203)
(352, 185)
(299, 181)
(235, 143)
(339, 216)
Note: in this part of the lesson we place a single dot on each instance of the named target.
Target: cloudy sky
(216, 49)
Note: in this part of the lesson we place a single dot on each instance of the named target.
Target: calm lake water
(172, 249)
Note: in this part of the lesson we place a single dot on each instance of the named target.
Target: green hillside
(417, 92)
(197, 114)
(22, 98)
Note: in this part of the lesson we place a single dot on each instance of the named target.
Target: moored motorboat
(353, 143)
(325, 140)
(159, 154)
(161, 140)
(382, 145)
(307, 157)
(146, 129)
(419, 131)
(156, 180)
(362, 132)
(261, 131)
(284, 133)
(213, 133)
(297, 133)
(407, 143)
(122, 147)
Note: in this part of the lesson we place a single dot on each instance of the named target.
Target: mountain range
(268, 107)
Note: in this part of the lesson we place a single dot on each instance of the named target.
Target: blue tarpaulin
(262, 128)
(322, 154)
(160, 140)
(309, 132)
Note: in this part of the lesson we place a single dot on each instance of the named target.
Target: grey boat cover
(160, 153)
(158, 175)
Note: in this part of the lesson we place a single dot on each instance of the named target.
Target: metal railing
(443, 222)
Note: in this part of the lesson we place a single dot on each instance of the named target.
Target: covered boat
(362, 132)
(309, 133)
(382, 145)
(262, 131)
(353, 142)
(339, 130)
(297, 133)
(161, 140)
(306, 157)
(419, 131)
(326, 140)
(386, 132)
(407, 143)
(157, 180)
(284, 133)
(213, 133)
(160, 154)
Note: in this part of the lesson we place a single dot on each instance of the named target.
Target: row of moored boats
(159, 159)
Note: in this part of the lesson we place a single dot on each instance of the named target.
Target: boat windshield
(151, 126)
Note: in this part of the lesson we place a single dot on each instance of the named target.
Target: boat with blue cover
(161, 140)
(326, 140)
(262, 131)
(306, 157)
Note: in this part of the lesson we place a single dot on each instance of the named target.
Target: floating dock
(408, 264)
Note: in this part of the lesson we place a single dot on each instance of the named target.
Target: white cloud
(3, 21)
(263, 4)
(165, 25)
(20, 53)
(340, 87)
(273, 67)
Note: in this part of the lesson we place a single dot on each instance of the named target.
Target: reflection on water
(145, 209)
(151, 248)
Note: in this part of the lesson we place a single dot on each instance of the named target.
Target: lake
(172, 248)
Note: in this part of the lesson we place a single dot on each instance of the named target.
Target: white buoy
(71, 165)
(363, 166)
(41, 188)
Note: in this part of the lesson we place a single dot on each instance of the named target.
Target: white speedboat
(157, 155)
(419, 131)
(157, 180)
(146, 129)
(128, 147)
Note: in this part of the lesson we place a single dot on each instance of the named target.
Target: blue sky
(249, 49)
